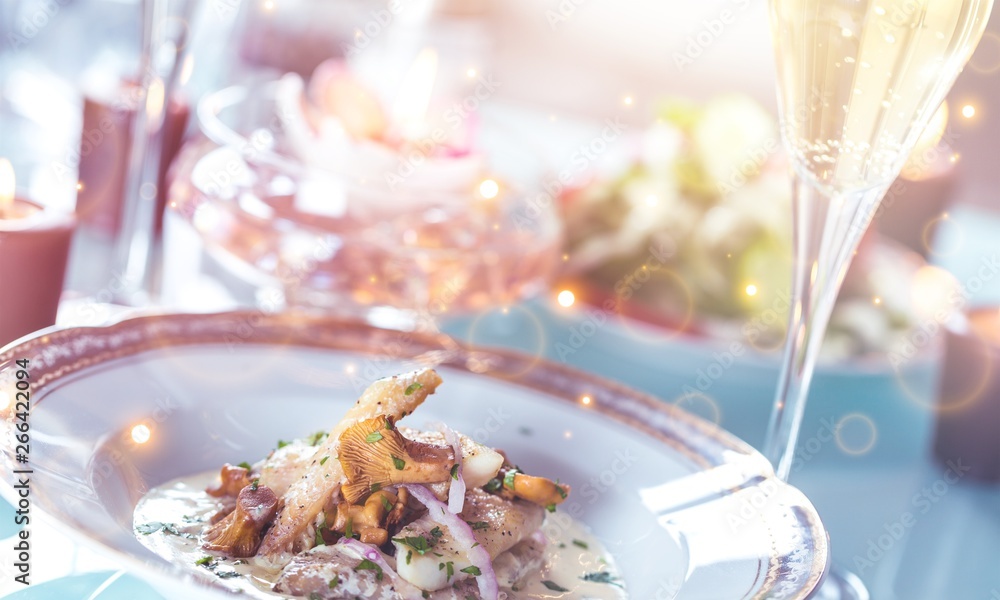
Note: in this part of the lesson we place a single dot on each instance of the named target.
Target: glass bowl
(365, 233)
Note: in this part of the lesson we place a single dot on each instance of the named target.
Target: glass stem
(827, 229)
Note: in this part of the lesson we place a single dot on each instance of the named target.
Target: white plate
(689, 511)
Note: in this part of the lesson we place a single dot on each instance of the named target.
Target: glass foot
(840, 584)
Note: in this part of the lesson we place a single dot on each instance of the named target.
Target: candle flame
(6, 185)
(414, 97)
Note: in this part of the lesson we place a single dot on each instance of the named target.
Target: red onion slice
(456, 492)
(406, 589)
(489, 589)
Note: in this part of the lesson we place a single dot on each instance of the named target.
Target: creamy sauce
(170, 519)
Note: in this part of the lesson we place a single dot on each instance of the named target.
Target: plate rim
(139, 332)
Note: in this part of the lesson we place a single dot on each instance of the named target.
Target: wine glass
(858, 81)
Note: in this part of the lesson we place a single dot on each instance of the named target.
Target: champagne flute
(858, 81)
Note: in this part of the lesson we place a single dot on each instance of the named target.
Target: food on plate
(376, 509)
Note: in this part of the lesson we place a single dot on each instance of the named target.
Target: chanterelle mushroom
(239, 534)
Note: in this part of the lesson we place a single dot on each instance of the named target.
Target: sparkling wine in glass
(858, 81)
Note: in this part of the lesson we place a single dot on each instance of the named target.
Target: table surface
(862, 487)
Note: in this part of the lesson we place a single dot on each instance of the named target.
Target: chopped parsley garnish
(436, 532)
(244, 465)
(319, 537)
(323, 460)
(282, 444)
(508, 479)
(154, 526)
(477, 525)
(562, 491)
(581, 544)
(367, 565)
(385, 503)
(450, 566)
(373, 437)
(551, 507)
(389, 424)
(376, 487)
(416, 385)
(317, 438)
(473, 570)
(205, 561)
(601, 577)
(399, 463)
(255, 484)
(454, 471)
(555, 587)
(409, 556)
(418, 543)
(228, 574)
(493, 485)
(334, 582)
(349, 529)
(315, 596)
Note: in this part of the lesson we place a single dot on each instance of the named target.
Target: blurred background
(600, 183)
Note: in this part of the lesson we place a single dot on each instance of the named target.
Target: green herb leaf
(436, 532)
(315, 596)
(255, 484)
(373, 437)
(581, 544)
(317, 438)
(493, 485)
(399, 463)
(245, 465)
(282, 444)
(367, 565)
(555, 587)
(473, 570)
(562, 491)
(376, 487)
(409, 556)
(154, 526)
(229, 574)
(418, 543)
(454, 471)
(204, 561)
(508, 479)
(319, 541)
(385, 503)
(477, 525)
(450, 569)
(602, 577)
(334, 582)
(349, 529)
(323, 460)
(551, 507)
(416, 385)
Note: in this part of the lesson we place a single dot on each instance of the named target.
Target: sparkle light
(79, 185)
(566, 298)
(141, 434)
(751, 290)
(489, 189)
(586, 400)
(651, 200)
(628, 100)
(269, 5)
(471, 73)
(877, 300)
(968, 111)
(349, 368)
